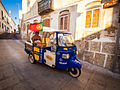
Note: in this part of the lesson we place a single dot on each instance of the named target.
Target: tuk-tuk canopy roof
(46, 29)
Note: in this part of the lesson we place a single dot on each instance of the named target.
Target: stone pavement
(10, 36)
(16, 73)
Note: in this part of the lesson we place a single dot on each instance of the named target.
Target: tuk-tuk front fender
(75, 64)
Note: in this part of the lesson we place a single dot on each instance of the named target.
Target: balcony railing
(44, 6)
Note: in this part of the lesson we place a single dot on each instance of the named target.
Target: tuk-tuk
(57, 50)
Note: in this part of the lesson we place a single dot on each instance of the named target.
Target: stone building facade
(94, 26)
(51, 19)
(6, 22)
(97, 44)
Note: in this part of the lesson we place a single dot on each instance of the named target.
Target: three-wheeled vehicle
(57, 50)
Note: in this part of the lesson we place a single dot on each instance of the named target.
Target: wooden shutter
(61, 23)
(66, 23)
(88, 19)
(46, 23)
(95, 19)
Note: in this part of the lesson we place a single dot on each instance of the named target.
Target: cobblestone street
(16, 73)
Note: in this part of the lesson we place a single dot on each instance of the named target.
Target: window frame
(2, 26)
(92, 17)
(63, 16)
(49, 21)
(2, 14)
(28, 3)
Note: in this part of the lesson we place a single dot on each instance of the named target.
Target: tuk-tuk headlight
(77, 61)
(65, 56)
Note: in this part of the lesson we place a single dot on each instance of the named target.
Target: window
(65, 39)
(46, 22)
(7, 21)
(28, 3)
(64, 22)
(5, 28)
(2, 26)
(2, 14)
(119, 16)
(92, 18)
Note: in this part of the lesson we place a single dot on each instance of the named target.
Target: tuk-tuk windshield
(65, 40)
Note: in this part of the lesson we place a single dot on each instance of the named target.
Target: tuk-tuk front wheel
(75, 72)
(31, 59)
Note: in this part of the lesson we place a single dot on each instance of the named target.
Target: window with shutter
(95, 18)
(61, 23)
(88, 19)
(92, 18)
(64, 22)
(46, 23)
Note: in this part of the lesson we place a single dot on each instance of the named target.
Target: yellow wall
(83, 6)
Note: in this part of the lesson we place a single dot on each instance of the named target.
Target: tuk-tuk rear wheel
(75, 72)
(31, 59)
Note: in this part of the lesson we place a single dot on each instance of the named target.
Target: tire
(31, 59)
(75, 72)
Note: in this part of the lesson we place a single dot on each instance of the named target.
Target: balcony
(45, 6)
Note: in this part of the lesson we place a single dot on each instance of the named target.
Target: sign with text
(109, 3)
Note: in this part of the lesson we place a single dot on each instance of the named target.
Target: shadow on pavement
(12, 36)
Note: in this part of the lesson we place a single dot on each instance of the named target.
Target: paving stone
(19, 74)
(9, 82)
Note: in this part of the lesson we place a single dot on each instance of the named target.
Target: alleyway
(10, 36)
(16, 73)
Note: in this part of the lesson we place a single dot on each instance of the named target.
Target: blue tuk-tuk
(57, 50)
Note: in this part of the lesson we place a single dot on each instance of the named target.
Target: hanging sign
(110, 3)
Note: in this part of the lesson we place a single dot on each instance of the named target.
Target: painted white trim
(98, 52)
(105, 61)
(101, 47)
(89, 46)
(64, 21)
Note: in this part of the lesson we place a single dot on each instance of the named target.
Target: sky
(14, 6)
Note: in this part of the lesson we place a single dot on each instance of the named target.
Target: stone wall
(99, 53)
(99, 47)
